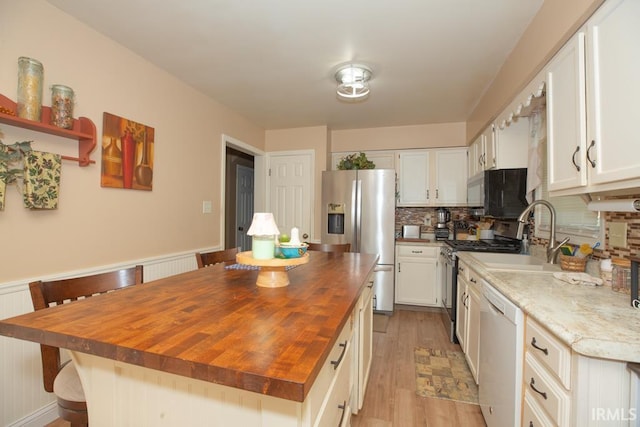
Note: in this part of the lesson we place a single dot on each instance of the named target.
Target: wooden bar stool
(62, 379)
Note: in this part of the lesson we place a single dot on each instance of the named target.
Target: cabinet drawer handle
(531, 424)
(472, 280)
(533, 387)
(593, 162)
(336, 363)
(573, 158)
(534, 345)
(437, 197)
(370, 285)
(460, 268)
(416, 252)
(344, 410)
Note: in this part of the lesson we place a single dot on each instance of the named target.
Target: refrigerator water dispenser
(336, 218)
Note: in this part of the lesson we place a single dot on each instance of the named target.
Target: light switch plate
(206, 206)
(618, 234)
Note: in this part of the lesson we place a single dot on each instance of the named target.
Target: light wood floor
(391, 398)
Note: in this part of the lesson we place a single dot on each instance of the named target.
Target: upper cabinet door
(451, 179)
(413, 178)
(566, 117)
(490, 150)
(432, 177)
(614, 91)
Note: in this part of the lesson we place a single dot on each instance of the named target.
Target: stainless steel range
(449, 272)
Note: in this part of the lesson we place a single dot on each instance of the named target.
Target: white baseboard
(39, 418)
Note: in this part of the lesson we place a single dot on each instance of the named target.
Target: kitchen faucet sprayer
(552, 248)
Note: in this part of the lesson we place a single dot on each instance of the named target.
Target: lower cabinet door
(416, 282)
(473, 330)
(337, 410)
(532, 414)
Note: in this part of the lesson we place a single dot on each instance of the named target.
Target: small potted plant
(356, 161)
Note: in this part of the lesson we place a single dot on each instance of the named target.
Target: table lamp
(263, 231)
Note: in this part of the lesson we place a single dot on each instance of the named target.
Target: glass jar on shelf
(621, 275)
(62, 100)
(30, 80)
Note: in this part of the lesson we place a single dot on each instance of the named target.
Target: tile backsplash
(426, 218)
(633, 234)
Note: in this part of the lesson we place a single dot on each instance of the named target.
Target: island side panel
(122, 394)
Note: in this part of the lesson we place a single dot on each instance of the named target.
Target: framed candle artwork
(127, 154)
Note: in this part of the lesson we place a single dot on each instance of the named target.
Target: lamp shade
(263, 224)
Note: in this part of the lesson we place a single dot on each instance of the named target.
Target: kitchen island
(209, 347)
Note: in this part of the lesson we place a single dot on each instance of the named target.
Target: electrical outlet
(618, 234)
(206, 206)
(427, 220)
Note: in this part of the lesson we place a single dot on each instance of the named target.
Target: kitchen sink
(514, 262)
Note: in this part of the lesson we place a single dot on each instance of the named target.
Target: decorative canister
(30, 78)
(621, 275)
(62, 100)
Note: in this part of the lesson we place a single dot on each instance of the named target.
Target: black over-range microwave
(501, 192)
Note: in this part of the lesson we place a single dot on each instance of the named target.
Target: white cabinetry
(432, 177)
(461, 305)
(566, 389)
(499, 147)
(476, 154)
(413, 178)
(596, 72)
(450, 183)
(363, 343)
(567, 117)
(468, 316)
(417, 281)
(614, 90)
(547, 377)
(473, 328)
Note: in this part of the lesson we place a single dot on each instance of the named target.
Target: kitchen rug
(380, 323)
(444, 374)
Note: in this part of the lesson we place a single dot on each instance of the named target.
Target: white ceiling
(274, 61)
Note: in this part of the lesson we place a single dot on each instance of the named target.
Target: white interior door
(291, 191)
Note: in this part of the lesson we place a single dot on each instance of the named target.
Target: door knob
(240, 228)
(305, 236)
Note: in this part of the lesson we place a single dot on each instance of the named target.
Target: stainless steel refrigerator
(358, 207)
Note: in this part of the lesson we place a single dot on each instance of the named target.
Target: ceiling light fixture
(353, 81)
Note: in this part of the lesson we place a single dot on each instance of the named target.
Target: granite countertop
(593, 320)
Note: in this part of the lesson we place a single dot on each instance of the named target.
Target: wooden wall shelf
(84, 131)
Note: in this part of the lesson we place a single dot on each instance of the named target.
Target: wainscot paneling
(23, 400)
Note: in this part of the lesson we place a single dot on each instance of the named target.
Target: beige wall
(554, 24)
(314, 138)
(399, 137)
(96, 226)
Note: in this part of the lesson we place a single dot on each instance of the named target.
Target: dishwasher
(501, 353)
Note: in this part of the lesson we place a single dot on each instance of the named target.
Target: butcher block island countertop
(214, 324)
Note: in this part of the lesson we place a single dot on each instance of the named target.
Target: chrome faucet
(552, 248)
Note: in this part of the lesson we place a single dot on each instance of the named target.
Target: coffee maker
(443, 216)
